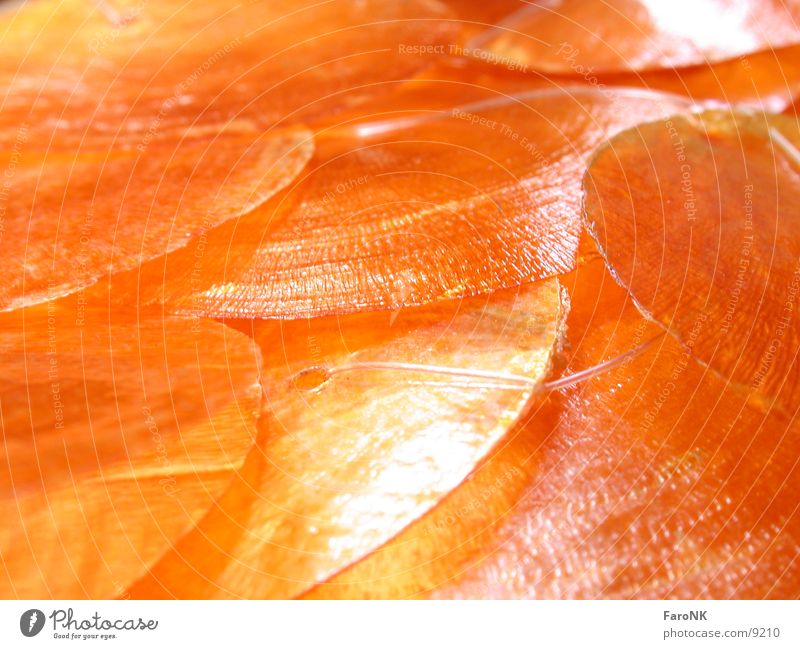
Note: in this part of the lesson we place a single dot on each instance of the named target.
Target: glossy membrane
(435, 205)
(344, 464)
(696, 216)
(118, 72)
(587, 37)
(70, 219)
(655, 479)
(119, 434)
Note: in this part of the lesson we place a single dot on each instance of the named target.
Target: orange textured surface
(659, 480)
(696, 216)
(655, 479)
(71, 219)
(591, 36)
(764, 80)
(124, 70)
(421, 299)
(342, 468)
(421, 208)
(118, 436)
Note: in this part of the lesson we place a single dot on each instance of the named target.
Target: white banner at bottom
(389, 624)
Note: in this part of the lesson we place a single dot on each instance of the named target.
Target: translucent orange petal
(403, 211)
(82, 72)
(653, 480)
(460, 532)
(792, 108)
(697, 217)
(476, 16)
(69, 219)
(660, 481)
(117, 438)
(342, 468)
(586, 37)
(765, 80)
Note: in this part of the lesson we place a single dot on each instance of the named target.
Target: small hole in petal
(311, 378)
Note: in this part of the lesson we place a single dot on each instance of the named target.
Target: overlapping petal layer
(69, 220)
(765, 80)
(394, 275)
(118, 435)
(654, 479)
(697, 217)
(345, 461)
(593, 36)
(125, 71)
(405, 211)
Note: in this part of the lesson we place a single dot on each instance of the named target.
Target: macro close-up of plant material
(424, 299)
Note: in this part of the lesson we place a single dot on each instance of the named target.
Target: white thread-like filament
(488, 379)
